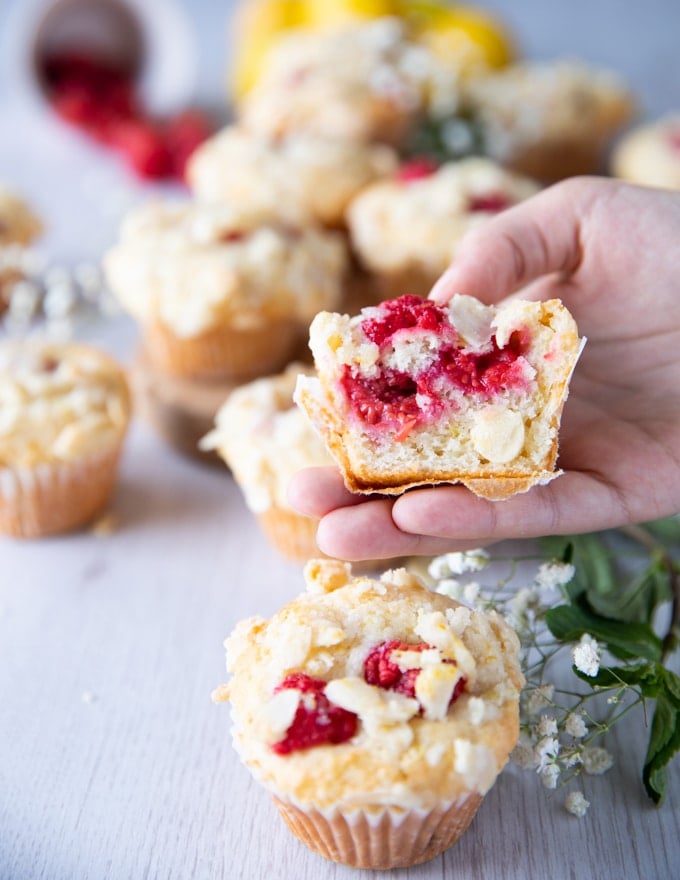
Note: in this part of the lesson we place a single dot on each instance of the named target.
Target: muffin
(19, 227)
(264, 439)
(376, 713)
(406, 230)
(301, 177)
(364, 82)
(649, 154)
(412, 393)
(222, 291)
(64, 411)
(549, 120)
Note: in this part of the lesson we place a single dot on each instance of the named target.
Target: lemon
(257, 26)
(328, 13)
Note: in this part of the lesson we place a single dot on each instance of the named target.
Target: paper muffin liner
(223, 353)
(291, 533)
(56, 497)
(380, 838)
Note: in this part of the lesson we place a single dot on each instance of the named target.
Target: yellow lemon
(256, 26)
(452, 30)
(328, 13)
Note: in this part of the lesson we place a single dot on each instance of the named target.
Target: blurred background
(81, 190)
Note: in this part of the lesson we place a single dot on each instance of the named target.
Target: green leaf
(664, 742)
(648, 677)
(666, 530)
(637, 599)
(624, 640)
(672, 682)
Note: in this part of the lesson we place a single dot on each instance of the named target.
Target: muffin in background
(549, 119)
(221, 291)
(19, 227)
(64, 412)
(376, 713)
(365, 82)
(406, 230)
(649, 154)
(265, 439)
(302, 177)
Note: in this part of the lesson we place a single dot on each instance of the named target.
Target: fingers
(367, 531)
(318, 490)
(539, 236)
(572, 503)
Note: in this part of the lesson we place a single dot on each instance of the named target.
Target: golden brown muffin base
(392, 841)
(222, 353)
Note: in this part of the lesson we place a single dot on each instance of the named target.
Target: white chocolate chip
(498, 434)
(472, 320)
(434, 689)
(375, 707)
(276, 716)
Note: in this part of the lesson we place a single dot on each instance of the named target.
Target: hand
(611, 253)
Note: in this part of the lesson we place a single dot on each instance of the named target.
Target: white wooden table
(114, 763)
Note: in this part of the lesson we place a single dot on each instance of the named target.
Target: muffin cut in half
(412, 393)
(375, 712)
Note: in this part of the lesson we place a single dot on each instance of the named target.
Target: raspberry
(416, 169)
(183, 134)
(491, 203)
(143, 147)
(381, 671)
(487, 374)
(406, 312)
(317, 721)
(386, 399)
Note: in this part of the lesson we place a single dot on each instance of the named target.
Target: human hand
(611, 253)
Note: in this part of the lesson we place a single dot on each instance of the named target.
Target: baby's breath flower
(571, 757)
(586, 655)
(596, 760)
(450, 587)
(539, 698)
(523, 755)
(471, 592)
(575, 725)
(470, 560)
(576, 804)
(545, 752)
(550, 776)
(547, 726)
(554, 574)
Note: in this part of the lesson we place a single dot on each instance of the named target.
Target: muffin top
(265, 439)
(365, 82)
(18, 224)
(418, 219)
(301, 178)
(365, 692)
(650, 154)
(58, 402)
(535, 102)
(196, 267)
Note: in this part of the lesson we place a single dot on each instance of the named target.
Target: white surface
(113, 761)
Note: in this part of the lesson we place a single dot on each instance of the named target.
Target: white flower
(470, 560)
(596, 760)
(570, 757)
(576, 726)
(586, 655)
(523, 755)
(450, 587)
(547, 726)
(471, 592)
(554, 574)
(545, 752)
(576, 804)
(550, 776)
(539, 698)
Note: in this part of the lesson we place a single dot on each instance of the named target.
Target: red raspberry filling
(491, 203)
(406, 312)
(101, 99)
(399, 400)
(416, 169)
(381, 671)
(317, 721)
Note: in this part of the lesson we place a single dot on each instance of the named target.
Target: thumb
(539, 236)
